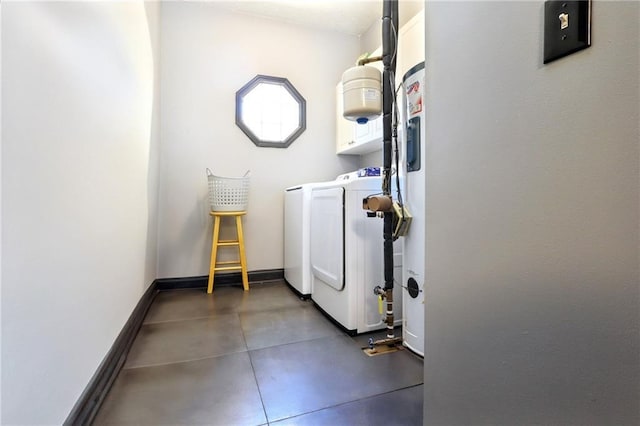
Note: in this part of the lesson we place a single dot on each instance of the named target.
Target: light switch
(567, 28)
(564, 21)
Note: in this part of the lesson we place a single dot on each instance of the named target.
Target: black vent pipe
(389, 49)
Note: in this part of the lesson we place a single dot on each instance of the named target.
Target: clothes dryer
(297, 217)
(347, 254)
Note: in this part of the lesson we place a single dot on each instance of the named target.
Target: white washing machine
(347, 254)
(297, 218)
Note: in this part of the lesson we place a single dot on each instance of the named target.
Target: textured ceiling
(345, 16)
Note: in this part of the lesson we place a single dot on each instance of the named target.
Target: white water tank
(361, 93)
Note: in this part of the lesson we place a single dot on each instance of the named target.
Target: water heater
(413, 263)
(362, 93)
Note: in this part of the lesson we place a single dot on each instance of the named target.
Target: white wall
(152, 11)
(207, 55)
(0, 219)
(77, 194)
(532, 219)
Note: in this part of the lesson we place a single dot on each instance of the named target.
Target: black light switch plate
(567, 28)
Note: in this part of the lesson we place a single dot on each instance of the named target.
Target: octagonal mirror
(270, 111)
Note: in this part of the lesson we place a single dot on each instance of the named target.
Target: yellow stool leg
(243, 259)
(214, 252)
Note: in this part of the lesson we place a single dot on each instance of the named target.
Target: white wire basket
(228, 194)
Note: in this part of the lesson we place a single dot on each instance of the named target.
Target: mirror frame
(302, 110)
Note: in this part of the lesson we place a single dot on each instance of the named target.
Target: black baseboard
(182, 283)
(229, 279)
(87, 406)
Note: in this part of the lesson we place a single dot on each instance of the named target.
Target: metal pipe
(389, 48)
(369, 60)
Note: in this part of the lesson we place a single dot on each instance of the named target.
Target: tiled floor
(255, 358)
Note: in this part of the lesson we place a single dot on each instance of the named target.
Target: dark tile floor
(256, 358)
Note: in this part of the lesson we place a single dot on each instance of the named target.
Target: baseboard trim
(229, 279)
(182, 283)
(91, 399)
(85, 409)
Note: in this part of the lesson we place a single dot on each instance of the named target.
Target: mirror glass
(270, 111)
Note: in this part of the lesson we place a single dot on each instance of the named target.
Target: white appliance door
(327, 236)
